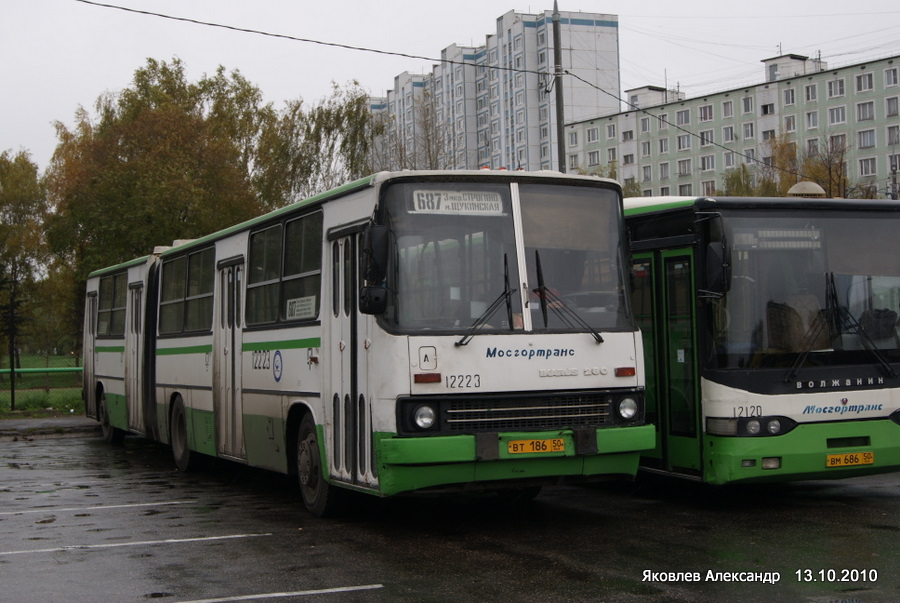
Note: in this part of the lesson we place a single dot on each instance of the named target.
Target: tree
(309, 149)
(738, 182)
(23, 204)
(165, 159)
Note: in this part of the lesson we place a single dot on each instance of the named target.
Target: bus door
(134, 358)
(666, 310)
(227, 400)
(350, 449)
(88, 377)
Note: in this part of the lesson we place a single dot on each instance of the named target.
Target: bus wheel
(321, 498)
(111, 435)
(185, 460)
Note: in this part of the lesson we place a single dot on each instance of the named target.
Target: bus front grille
(557, 411)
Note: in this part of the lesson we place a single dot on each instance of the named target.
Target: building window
(790, 123)
(747, 104)
(837, 115)
(890, 77)
(893, 135)
(663, 171)
(838, 143)
(835, 88)
(865, 111)
(684, 142)
(811, 92)
(812, 147)
(683, 118)
(663, 145)
(628, 159)
(890, 106)
(685, 190)
(684, 167)
(706, 113)
(728, 134)
(867, 167)
(573, 161)
(789, 97)
(593, 134)
(706, 138)
(573, 139)
(664, 191)
(768, 134)
(611, 155)
(748, 131)
(709, 187)
(627, 135)
(645, 148)
(749, 155)
(866, 139)
(768, 109)
(663, 121)
(864, 82)
(645, 125)
(648, 172)
(594, 158)
(611, 131)
(707, 162)
(729, 159)
(728, 109)
(812, 119)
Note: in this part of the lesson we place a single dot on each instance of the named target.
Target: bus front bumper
(809, 451)
(414, 463)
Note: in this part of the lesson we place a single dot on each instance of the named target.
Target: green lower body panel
(117, 409)
(406, 464)
(807, 452)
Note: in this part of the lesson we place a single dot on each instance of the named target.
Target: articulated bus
(770, 335)
(409, 331)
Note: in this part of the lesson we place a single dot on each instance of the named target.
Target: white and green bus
(409, 331)
(770, 335)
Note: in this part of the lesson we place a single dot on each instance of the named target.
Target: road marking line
(54, 510)
(299, 593)
(82, 547)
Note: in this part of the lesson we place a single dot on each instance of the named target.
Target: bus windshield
(824, 285)
(455, 255)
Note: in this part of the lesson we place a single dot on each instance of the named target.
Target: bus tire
(321, 498)
(110, 434)
(185, 459)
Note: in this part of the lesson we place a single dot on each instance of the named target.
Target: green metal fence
(41, 388)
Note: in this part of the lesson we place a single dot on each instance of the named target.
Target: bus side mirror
(718, 269)
(373, 294)
(372, 300)
(375, 253)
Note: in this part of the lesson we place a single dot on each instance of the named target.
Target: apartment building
(671, 145)
(492, 105)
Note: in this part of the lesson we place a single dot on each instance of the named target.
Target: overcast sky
(57, 55)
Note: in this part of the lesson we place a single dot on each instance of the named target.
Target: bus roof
(635, 206)
(350, 187)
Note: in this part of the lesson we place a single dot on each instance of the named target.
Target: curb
(25, 430)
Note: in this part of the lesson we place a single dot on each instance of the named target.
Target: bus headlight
(628, 408)
(749, 426)
(424, 417)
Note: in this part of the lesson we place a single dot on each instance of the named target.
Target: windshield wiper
(843, 320)
(551, 300)
(505, 295)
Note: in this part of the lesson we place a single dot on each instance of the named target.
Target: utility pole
(558, 72)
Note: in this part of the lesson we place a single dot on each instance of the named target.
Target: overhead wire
(543, 74)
